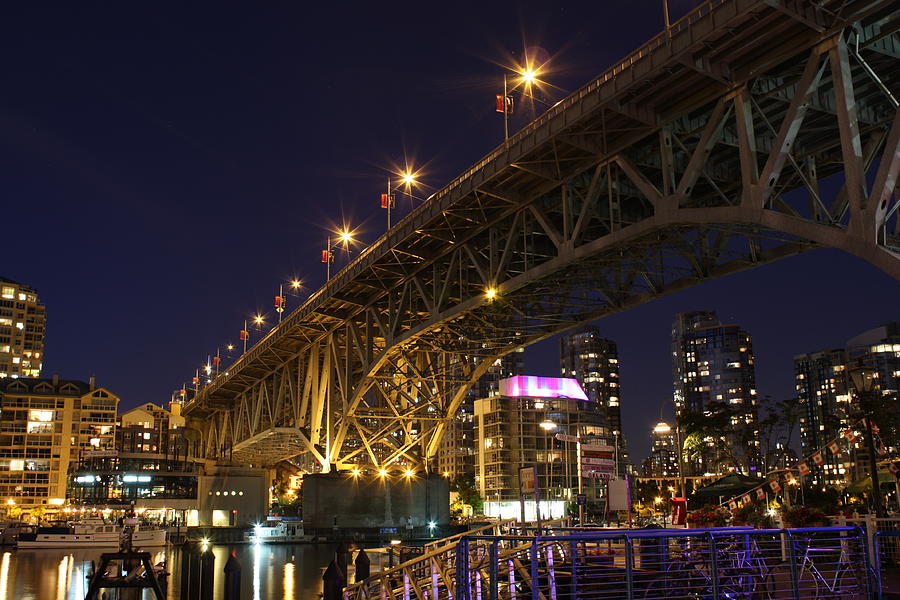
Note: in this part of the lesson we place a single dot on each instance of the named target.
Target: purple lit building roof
(530, 386)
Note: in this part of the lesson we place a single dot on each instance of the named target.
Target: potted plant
(804, 516)
(709, 516)
(751, 514)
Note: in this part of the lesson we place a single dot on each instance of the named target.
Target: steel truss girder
(621, 213)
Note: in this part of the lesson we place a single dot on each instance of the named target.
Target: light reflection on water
(268, 572)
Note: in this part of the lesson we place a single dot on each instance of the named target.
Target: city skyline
(200, 228)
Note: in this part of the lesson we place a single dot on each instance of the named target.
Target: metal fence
(695, 564)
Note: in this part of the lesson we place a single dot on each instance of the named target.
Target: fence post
(574, 562)
(792, 562)
(494, 569)
(629, 568)
(876, 566)
(713, 564)
(463, 590)
(535, 574)
(551, 572)
(434, 578)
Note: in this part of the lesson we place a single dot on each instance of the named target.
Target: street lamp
(864, 382)
(505, 103)
(343, 237)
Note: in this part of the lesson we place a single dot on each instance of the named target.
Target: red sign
(278, 301)
(500, 104)
(327, 255)
(679, 511)
(388, 201)
(245, 335)
(216, 361)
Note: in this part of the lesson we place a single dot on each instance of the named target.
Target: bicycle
(689, 576)
(847, 579)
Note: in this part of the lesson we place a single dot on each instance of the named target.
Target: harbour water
(268, 572)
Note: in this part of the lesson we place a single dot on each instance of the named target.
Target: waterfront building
(663, 458)
(713, 365)
(22, 322)
(518, 427)
(822, 384)
(594, 361)
(456, 454)
(831, 404)
(44, 425)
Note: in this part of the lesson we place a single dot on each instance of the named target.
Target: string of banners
(817, 458)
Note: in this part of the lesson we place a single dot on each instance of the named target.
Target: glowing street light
(490, 293)
(296, 284)
(547, 425)
(528, 76)
(409, 473)
(382, 473)
(342, 237)
(259, 320)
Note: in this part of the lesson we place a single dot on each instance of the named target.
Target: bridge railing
(736, 563)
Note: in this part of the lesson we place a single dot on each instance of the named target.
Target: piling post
(207, 574)
(232, 577)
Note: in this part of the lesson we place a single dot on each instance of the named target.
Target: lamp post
(864, 382)
(344, 237)
(548, 426)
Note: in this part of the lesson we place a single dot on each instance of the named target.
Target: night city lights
(533, 300)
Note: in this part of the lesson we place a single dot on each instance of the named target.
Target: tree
(776, 430)
(464, 485)
(713, 434)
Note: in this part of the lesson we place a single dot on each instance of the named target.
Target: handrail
(446, 540)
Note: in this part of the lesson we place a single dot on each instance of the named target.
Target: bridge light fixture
(446, 473)
(345, 236)
(528, 76)
(409, 473)
(355, 472)
(258, 320)
(230, 347)
(382, 473)
(408, 178)
(491, 293)
(296, 283)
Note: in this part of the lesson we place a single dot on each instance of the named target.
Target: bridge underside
(755, 131)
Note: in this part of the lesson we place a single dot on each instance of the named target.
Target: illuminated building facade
(44, 425)
(518, 427)
(663, 458)
(22, 322)
(825, 390)
(456, 454)
(713, 362)
(594, 362)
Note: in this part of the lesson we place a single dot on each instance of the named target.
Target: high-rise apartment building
(831, 404)
(22, 322)
(712, 362)
(456, 454)
(663, 458)
(519, 427)
(45, 424)
(823, 391)
(594, 361)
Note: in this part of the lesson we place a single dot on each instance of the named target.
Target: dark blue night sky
(164, 167)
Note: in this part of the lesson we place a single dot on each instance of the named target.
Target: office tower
(712, 367)
(22, 322)
(594, 362)
(45, 425)
(534, 421)
(663, 458)
(456, 454)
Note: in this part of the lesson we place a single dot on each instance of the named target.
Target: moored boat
(278, 531)
(89, 533)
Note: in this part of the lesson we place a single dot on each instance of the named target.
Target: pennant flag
(803, 468)
(818, 458)
(776, 487)
(746, 499)
(881, 449)
(850, 435)
(875, 429)
(760, 493)
(732, 505)
(894, 468)
(834, 447)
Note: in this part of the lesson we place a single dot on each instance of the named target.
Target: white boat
(278, 532)
(90, 532)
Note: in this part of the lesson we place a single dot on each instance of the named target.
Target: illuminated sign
(529, 386)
